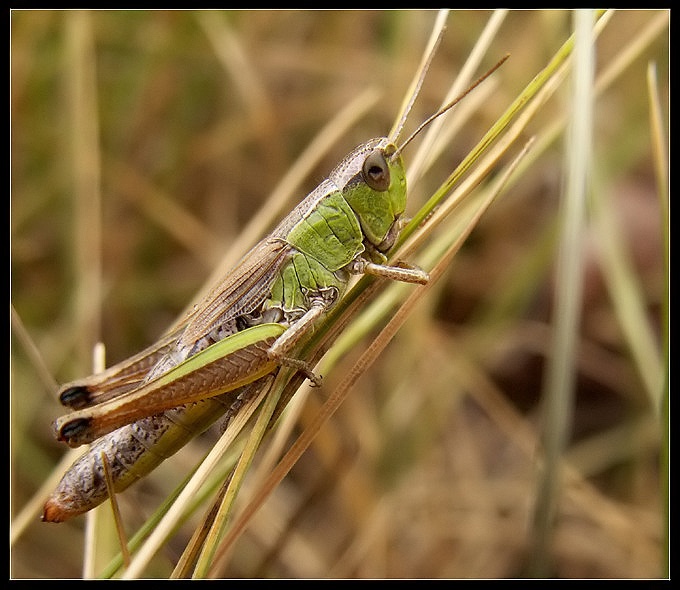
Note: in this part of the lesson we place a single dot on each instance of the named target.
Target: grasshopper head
(372, 177)
(373, 181)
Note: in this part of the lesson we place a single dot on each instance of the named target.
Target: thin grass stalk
(628, 300)
(217, 528)
(610, 74)
(82, 90)
(508, 297)
(559, 377)
(192, 551)
(628, 297)
(434, 139)
(482, 167)
(220, 474)
(37, 361)
(659, 143)
(29, 514)
(170, 520)
(30, 511)
(99, 543)
(118, 520)
(518, 104)
(414, 89)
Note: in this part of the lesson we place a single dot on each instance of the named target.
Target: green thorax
(357, 205)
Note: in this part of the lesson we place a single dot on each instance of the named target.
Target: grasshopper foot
(303, 367)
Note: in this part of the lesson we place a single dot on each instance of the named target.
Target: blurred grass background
(198, 116)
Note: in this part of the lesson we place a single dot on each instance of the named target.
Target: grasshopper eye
(376, 172)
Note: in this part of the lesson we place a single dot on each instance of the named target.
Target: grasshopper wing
(239, 293)
(134, 384)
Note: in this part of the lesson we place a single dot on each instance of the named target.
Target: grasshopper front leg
(373, 262)
(405, 274)
(286, 342)
(325, 300)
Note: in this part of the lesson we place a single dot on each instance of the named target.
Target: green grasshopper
(141, 411)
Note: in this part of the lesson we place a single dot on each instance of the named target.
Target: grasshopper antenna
(449, 106)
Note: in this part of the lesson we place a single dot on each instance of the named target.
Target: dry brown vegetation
(429, 469)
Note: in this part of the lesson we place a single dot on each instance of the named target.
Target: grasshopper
(142, 410)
